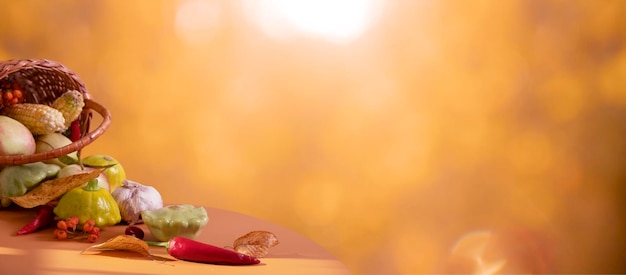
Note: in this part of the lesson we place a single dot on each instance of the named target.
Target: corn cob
(38, 118)
(70, 104)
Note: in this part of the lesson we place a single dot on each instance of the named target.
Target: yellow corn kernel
(70, 104)
(38, 118)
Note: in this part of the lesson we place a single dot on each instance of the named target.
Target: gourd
(89, 202)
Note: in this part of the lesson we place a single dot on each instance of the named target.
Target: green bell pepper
(19, 179)
(89, 202)
(175, 220)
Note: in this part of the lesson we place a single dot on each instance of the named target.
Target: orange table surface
(41, 253)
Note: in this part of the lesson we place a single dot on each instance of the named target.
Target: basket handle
(72, 147)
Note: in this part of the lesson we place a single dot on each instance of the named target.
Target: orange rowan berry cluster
(10, 93)
(69, 229)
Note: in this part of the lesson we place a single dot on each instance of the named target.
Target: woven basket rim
(72, 147)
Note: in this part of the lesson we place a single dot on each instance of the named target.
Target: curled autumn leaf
(52, 189)
(124, 243)
(256, 243)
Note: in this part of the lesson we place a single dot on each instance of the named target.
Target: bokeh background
(406, 137)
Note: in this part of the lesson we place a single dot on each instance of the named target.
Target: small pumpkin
(89, 202)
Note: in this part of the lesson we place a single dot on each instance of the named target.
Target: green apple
(114, 171)
(52, 141)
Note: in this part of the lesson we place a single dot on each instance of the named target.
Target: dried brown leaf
(253, 250)
(256, 243)
(52, 189)
(125, 243)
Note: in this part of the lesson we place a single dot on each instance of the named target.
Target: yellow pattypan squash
(89, 202)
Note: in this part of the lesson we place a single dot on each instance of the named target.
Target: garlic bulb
(133, 198)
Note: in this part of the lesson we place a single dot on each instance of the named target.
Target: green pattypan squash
(89, 202)
(183, 220)
(17, 180)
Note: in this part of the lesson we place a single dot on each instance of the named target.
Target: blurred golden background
(405, 137)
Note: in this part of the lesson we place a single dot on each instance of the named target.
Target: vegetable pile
(85, 196)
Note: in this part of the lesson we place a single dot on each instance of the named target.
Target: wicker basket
(43, 81)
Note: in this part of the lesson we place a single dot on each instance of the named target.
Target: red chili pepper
(45, 216)
(75, 130)
(189, 250)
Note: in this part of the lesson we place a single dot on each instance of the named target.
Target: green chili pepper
(19, 179)
(89, 202)
(175, 220)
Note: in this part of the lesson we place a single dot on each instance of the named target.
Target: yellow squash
(89, 202)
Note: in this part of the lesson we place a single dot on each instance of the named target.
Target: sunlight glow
(338, 21)
(472, 246)
(196, 20)
(11, 251)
